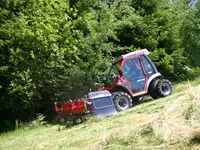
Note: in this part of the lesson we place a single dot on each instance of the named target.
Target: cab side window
(113, 72)
(147, 66)
(132, 69)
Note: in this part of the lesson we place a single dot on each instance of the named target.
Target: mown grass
(168, 123)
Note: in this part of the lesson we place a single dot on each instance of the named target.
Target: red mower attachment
(99, 103)
(75, 109)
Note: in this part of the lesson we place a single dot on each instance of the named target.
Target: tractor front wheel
(122, 101)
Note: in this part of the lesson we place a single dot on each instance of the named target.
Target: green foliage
(190, 35)
(53, 50)
(36, 48)
(38, 121)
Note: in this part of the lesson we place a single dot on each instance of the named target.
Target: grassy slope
(168, 123)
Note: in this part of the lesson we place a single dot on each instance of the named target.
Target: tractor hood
(102, 103)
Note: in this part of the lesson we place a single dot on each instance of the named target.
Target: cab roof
(135, 53)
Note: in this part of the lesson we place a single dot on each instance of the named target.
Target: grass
(168, 123)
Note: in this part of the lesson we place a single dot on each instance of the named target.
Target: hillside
(168, 123)
(51, 49)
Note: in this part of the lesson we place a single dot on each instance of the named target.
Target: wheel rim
(62, 120)
(166, 88)
(78, 120)
(123, 102)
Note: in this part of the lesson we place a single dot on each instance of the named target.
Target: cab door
(132, 71)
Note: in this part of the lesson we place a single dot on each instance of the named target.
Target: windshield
(112, 73)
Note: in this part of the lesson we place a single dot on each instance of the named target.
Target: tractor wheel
(164, 88)
(153, 90)
(115, 94)
(122, 101)
(77, 120)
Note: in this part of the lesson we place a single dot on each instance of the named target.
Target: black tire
(122, 101)
(77, 120)
(115, 94)
(165, 88)
(153, 88)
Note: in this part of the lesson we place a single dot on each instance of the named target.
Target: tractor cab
(131, 71)
(134, 75)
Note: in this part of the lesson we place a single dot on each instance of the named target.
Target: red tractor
(133, 76)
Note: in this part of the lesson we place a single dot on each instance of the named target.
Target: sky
(193, 3)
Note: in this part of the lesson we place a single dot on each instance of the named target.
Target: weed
(146, 130)
(195, 138)
(38, 121)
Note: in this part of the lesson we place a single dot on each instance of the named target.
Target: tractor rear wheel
(160, 88)
(122, 100)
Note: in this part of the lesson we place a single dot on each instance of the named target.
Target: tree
(190, 35)
(38, 51)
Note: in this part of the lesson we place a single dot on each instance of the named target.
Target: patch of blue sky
(193, 3)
